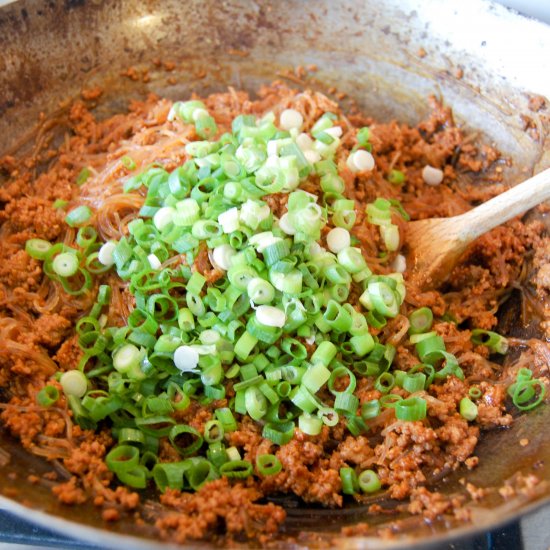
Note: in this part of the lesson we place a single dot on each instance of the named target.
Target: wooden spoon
(436, 245)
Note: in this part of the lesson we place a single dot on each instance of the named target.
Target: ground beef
(50, 330)
(35, 214)
(431, 504)
(69, 492)
(491, 409)
(69, 354)
(20, 273)
(196, 515)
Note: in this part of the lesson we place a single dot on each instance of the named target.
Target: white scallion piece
(221, 256)
(229, 220)
(270, 316)
(315, 249)
(186, 358)
(292, 176)
(399, 265)
(154, 262)
(273, 148)
(171, 113)
(262, 240)
(326, 149)
(290, 118)
(187, 212)
(311, 213)
(335, 131)
(74, 382)
(126, 357)
(390, 234)
(431, 175)
(233, 453)
(338, 239)
(163, 217)
(252, 213)
(105, 254)
(304, 142)
(285, 225)
(360, 161)
(259, 238)
(294, 132)
(312, 156)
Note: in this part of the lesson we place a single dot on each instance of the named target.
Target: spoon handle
(504, 207)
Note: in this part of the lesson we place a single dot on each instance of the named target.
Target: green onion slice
(268, 465)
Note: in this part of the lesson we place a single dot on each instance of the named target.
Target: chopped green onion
(47, 396)
(280, 433)
(474, 392)
(65, 264)
(268, 465)
(337, 318)
(420, 320)
(185, 439)
(356, 425)
(382, 298)
(324, 354)
(255, 403)
(328, 416)
(213, 431)
(338, 373)
(83, 176)
(396, 177)
(363, 136)
(390, 400)
(411, 409)
(310, 425)
(239, 469)
(260, 291)
(240, 309)
(170, 475)
(74, 383)
(468, 409)
(130, 435)
(524, 391)
(495, 342)
(123, 458)
(346, 403)
(385, 382)
(414, 382)
(316, 376)
(136, 478)
(128, 162)
(78, 216)
(37, 248)
(369, 482)
(226, 418)
(196, 283)
(126, 358)
(59, 203)
(350, 484)
(370, 409)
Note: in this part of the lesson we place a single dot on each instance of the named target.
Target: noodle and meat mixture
(207, 302)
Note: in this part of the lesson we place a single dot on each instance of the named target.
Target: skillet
(370, 50)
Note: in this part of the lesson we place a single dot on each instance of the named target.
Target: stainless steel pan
(369, 49)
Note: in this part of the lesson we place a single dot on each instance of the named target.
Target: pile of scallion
(269, 328)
